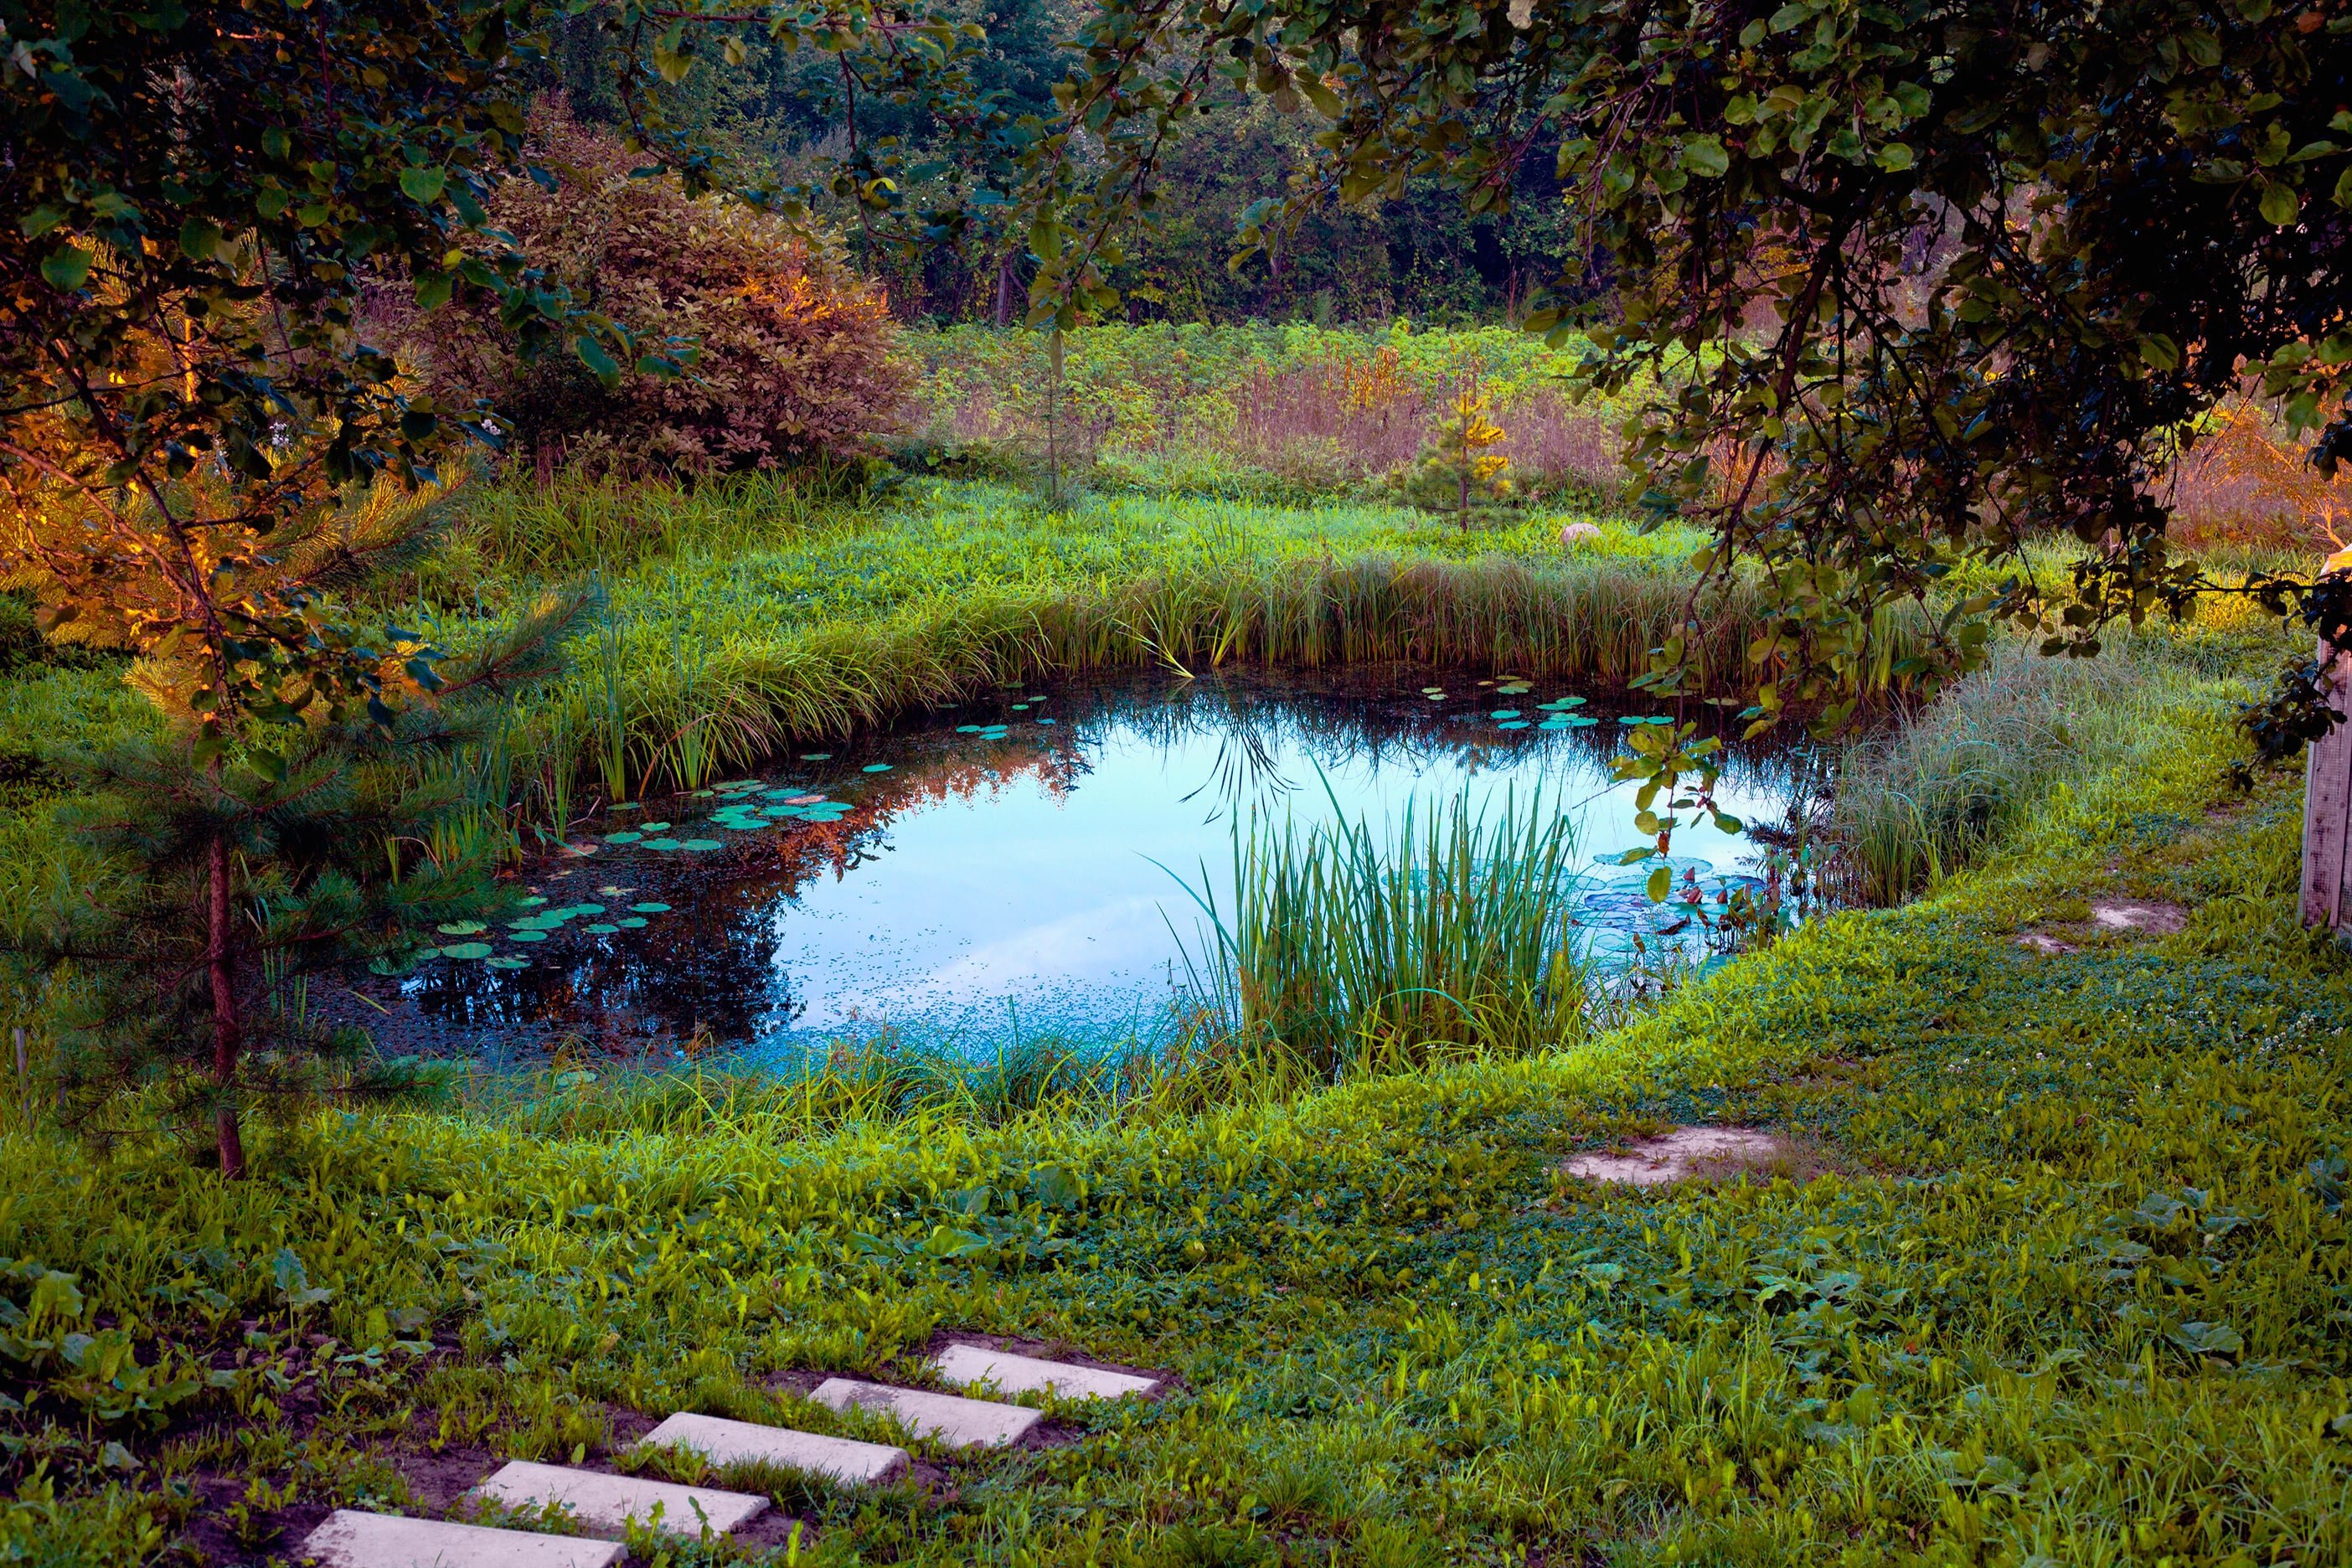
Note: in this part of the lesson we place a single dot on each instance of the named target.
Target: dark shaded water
(1014, 866)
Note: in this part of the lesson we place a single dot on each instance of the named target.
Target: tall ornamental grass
(1352, 950)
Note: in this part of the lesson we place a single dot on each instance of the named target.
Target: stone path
(600, 1502)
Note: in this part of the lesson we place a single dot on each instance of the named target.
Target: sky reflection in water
(985, 884)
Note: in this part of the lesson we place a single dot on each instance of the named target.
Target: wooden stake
(2328, 813)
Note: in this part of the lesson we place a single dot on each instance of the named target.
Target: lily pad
(876, 768)
(967, 728)
(526, 936)
(816, 756)
(651, 909)
(624, 836)
(1020, 708)
(534, 901)
(602, 927)
(585, 910)
(661, 844)
(1512, 724)
(503, 961)
(1044, 721)
(701, 843)
(461, 928)
(1432, 692)
(1504, 713)
(1643, 719)
(468, 949)
(654, 826)
(631, 922)
(627, 806)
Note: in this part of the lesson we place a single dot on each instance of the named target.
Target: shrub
(796, 354)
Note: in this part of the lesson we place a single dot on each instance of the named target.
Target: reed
(753, 689)
(1348, 952)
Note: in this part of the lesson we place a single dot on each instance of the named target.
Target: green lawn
(2069, 1281)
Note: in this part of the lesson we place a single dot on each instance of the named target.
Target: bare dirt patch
(1694, 1154)
(2107, 918)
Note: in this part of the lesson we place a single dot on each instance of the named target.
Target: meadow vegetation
(2057, 1272)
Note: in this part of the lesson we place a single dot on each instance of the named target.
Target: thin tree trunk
(220, 961)
(2327, 811)
(1004, 291)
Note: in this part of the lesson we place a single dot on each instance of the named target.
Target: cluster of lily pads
(1557, 714)
(536, 926)
(750, 805)
(999, 731)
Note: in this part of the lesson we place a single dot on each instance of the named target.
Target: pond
(1033, 863)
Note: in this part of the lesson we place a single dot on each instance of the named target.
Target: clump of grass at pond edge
(1351, 954)
(1955, 779)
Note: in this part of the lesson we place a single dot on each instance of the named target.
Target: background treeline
(1418, 255)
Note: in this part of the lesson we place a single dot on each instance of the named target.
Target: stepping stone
(354, 1540)
(599, 1501)
(1011, 1373)
(963, 1422)
(724, 1441)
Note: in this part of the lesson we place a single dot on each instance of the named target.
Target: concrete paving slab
(610, 1502)
(968, 1364)
(725, 1442)
(350, 1539)
(964, 1423)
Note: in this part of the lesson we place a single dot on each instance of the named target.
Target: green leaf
(1705, 156)
(1662, 882)
(67, 268)
(1895, 156)
(199, 239)
(423, 185)
(432, 290)
(2280, 203)
(591, 355)
(39, 221)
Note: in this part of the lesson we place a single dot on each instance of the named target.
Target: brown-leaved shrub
(796, 356)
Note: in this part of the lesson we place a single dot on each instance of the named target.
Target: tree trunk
(220, 961)
(2327, 813)
(1004, 291)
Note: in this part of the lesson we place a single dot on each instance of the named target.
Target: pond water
(1020, 865)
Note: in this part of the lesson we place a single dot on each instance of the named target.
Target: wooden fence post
(2327, 813)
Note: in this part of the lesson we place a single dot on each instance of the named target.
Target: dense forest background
(1418, 256)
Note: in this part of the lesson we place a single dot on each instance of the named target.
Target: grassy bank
(705, 659)
(2069, 1284)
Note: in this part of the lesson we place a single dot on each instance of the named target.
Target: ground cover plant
(2058, 1271)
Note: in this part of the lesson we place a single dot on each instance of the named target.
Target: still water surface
(1031, 863)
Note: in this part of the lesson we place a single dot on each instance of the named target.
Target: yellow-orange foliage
(2245, 484)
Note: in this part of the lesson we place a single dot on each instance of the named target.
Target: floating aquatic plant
(602, 927)
(622, 837)
(503, 961)
(631, 922)
(526, 936)
(468, 949)
(876, 768)
(461, 928)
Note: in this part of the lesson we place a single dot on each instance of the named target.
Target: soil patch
(1692, 1153)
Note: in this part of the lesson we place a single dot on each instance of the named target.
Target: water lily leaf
(654, 827)
(661, 844)
(602, 927)
(1020, 708)
(1512, 724)
(967, 728)
(816, 756)
(1044, 721)
(651, 909)
(622, 837)
(585, 910)
(468, 949)
(461, 928)
(526, 936)
(1643, 719)
(1432, 692)
(504, 962)
(702, 844)
(876, 768)
(1578, 721)
(1504, 713)
(534, 901)
(631, 922)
